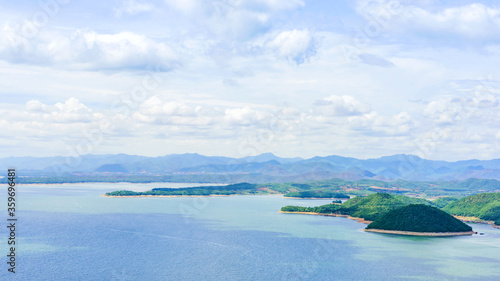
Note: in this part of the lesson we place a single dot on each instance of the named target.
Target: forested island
(375, 207)
(232, 189)
(368, 208)
(367, 205)
(317, 194)
(419, 219)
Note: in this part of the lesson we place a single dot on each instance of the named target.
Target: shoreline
(329, 198)
(437, 234)
(360, 220)
(428, 234)
(167, 196)
(474, 220)
(171, 196)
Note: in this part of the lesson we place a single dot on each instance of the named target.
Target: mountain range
(264, 166)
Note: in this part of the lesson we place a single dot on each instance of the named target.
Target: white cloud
(473, 20)
(295, 45)
(36, 106)
(86, 50)
(244, 116)
(156, 106)
(479, 105)
(71, 111)
(341, 106)
(132, 7)
(379, 125)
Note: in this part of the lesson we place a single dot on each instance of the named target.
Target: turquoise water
(70, 232)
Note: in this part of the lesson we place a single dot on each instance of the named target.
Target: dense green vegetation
(419, 218)
(373, 206)
(497, 222)
(316, 194)
(443, 201)
(485, 206)
(491, 214)
(239, 188)
(369, 208)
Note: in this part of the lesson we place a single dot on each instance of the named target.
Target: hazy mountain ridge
(401, 166)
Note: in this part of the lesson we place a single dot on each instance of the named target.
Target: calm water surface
(70, 232)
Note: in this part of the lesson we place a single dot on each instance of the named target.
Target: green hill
(485, 206)
(375, 205)
(419, 218)
(370, 207)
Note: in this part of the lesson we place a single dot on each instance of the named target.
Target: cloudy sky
(359, 78)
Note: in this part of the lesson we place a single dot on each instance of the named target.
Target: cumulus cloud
(71, 111)
(473, 20)
(87, 50)
(36, 106)
(295, 45)
(244, 116)
(341, 106)
(156, 106)
(478, 105)
(375, 124)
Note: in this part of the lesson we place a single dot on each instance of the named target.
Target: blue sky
(362, 78)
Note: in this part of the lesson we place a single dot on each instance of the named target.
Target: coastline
(170, 196)
(361, 220)
(474, 220)
(428, 234)
(327, 198)
(436, 234)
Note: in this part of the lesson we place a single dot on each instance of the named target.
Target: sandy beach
(430, 234)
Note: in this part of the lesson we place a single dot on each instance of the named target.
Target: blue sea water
(70, 232)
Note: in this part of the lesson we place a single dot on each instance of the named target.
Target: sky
(298, 78)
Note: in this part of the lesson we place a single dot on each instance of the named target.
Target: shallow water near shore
(70, 232)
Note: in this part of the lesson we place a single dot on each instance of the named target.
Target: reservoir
(71, 232)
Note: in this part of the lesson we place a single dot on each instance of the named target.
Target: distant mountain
(265, 166)
(265, 157)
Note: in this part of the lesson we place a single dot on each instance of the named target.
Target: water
(70, 232)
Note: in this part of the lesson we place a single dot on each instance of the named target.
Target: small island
(316, 194)
(216, 190)
(367, 208)
(419, 220)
